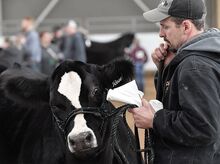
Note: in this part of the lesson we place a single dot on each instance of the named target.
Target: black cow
(102, 53)
(61, 120)
(10, 56)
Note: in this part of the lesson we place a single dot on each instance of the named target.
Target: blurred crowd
(43, 51)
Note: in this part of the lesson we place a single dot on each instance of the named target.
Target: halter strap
(104, 115)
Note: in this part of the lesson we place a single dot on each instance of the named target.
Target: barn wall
(111, 16)
(16, 9)
(83, 11)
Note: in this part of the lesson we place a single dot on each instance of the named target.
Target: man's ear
(187, 25)
(117, 73)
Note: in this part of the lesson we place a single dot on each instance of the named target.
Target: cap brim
(155, 15)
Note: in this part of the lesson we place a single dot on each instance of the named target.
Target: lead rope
(148, 143)
(118, 152)
(139, 158)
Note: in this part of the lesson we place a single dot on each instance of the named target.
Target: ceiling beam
(45, 12)
(143, 7)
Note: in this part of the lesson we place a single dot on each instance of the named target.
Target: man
(58, 37)
(74, 47)
(187, 129)
(139, 56)
(32, 44)
(51, 55)
(10, 54)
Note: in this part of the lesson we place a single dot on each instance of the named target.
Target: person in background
(58, 37)
(186, 130)
(139, 56)
(7, 43)
(51, 55)
(10, 54)
(32, 46)
(19, 41)
(74, 43)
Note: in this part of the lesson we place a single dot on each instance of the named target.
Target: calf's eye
(95, 92)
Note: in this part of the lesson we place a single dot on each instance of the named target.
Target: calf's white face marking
(70, 87)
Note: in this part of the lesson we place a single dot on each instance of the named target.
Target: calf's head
(76, 85)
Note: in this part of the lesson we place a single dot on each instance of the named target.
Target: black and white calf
(108, 51)
(64, 119)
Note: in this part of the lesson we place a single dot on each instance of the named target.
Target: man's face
(172, 34)
(47, 38)
(24, 25)
(58, 34)
(70, 30)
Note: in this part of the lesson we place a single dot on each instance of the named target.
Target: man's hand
(162, 53)
(143, 116)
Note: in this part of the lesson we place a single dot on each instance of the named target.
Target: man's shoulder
(33, 34)
(197, 61)
(79, 34)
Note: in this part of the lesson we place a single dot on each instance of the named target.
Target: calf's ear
(117, 73)
(24, 86)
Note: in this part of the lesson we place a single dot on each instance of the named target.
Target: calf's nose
(81, 141)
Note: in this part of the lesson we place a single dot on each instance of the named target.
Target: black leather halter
(96, 111)
(105, 112)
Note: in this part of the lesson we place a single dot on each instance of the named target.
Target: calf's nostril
(89, 137)
(72, 142)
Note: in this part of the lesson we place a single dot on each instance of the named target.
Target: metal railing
(92, 24)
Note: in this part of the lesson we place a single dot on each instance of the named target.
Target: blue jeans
(139, 75)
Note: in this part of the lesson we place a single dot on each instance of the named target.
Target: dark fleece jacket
(187, 130)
